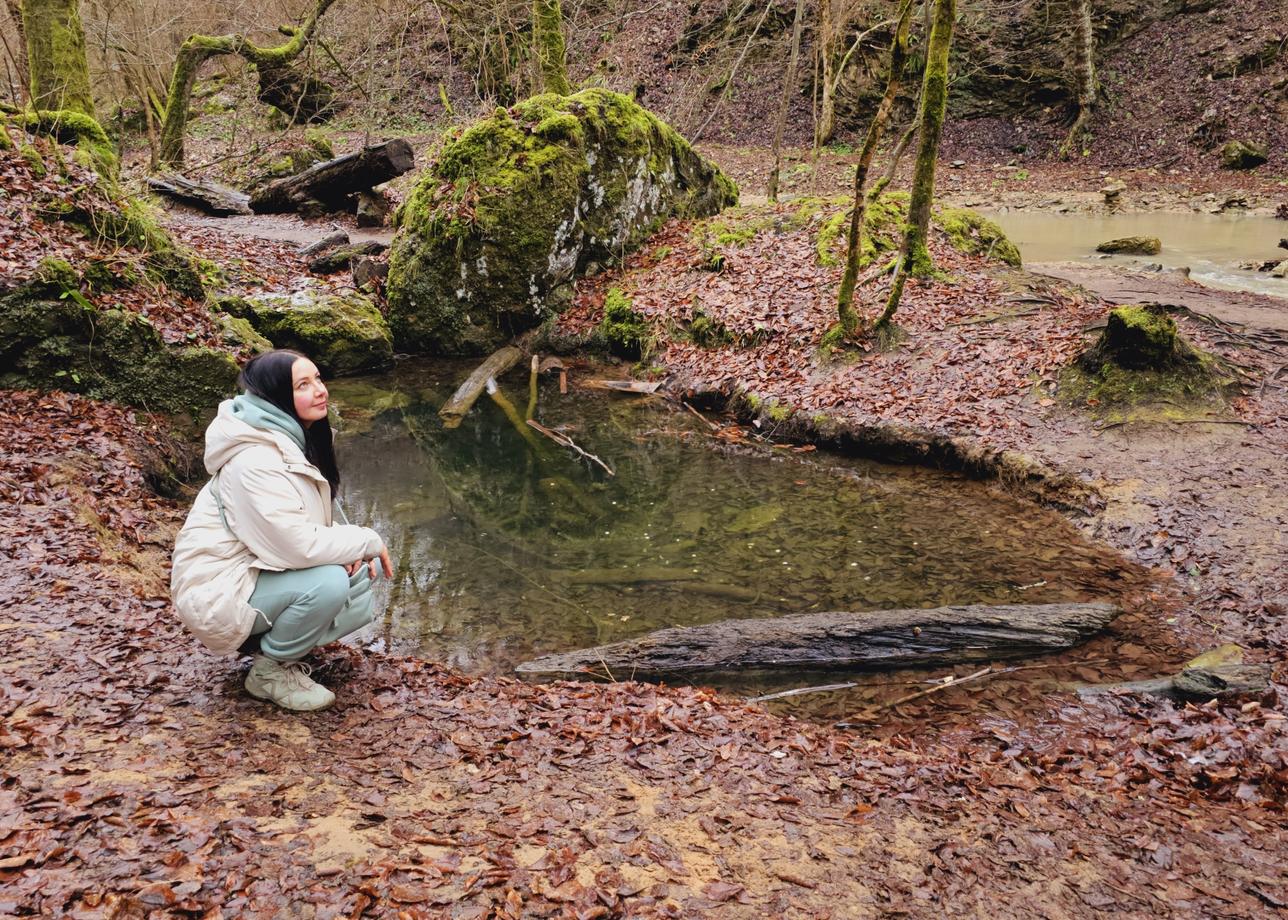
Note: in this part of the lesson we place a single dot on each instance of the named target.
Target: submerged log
(468, 392)
(219, 200)
(333, 184)
(872, 639)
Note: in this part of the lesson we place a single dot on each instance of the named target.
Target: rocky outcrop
(518, 205)
(1243, 155)
(343, 334)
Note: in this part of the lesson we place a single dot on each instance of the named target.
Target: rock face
(1133, 246)
(1242, 155)
(343, 334)
(518, 205)
(52, 341)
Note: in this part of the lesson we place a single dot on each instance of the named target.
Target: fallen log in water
(872, 639)
(219, 200)
(468, 392)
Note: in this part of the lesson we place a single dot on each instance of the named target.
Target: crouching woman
(260, 567)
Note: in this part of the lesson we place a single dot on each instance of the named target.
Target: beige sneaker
(286, 684)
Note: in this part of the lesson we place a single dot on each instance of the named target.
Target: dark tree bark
(914, 257)
(1084, 71)
(333, 184)
(875, 639)
(56, 56)
(846, 314)
(789, 84)
(273, 65)
(219, 200)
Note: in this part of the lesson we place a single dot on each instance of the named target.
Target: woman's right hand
(386, 566)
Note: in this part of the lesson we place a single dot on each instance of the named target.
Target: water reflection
(502, 555)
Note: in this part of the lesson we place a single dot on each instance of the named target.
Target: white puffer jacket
(278, 511)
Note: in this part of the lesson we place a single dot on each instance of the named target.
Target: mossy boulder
(626, 332)
(1243, 155)
(1141, 368)
(50, 340)
(342, 333)
(972, 232)
(518, 205)
(1132, 246)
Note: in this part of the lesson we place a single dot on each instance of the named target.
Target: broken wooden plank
(872, 639)
(468, 392)
(211, 197)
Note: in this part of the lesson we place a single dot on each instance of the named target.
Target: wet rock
(373, 209)
(516, 206)
(343, 334)
(337, 260)
(1236, 202)
(331, 241)
(369, 274)
(1132, 246)
(1112, 190)
(1280, 270)
(1242, 155)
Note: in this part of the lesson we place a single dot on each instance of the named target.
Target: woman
(259, 566)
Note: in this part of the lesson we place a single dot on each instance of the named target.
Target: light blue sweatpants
(304, 608)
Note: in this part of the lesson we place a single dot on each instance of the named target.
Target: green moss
(970, 232)
(94, 149)
(882, 221)
(344, 334)
(518, 204)
(626, 332)
(51, 341)
(707, 333)
(34, 159)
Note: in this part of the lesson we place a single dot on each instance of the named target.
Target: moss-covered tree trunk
(789, 83)
(548, 47)
(56, 56)
(827, 38)
(200, 48)
(914, 257)
(849, 319)
(1084, 72)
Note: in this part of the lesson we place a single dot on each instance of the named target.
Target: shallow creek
(502, 555)
(1212, 246)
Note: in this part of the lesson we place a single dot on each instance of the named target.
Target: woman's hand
(383, 558)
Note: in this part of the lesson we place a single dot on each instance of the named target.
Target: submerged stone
(343, 334)
(1132, 246)
(521, 203)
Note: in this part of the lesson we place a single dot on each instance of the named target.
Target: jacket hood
(248, 421)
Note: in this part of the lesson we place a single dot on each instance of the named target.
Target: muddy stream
(503, 555)
(1212, 246)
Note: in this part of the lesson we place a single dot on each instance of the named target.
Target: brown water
(1211, 245)
(502, 556)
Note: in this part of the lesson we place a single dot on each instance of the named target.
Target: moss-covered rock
(971, 232)
(1132, 246)
(1243, 155)
(343, 334)
(51, 336)
(515, 207)
(1141, 368)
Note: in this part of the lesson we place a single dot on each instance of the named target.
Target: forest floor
(139, 780)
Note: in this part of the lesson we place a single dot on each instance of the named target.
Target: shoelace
(297, 675)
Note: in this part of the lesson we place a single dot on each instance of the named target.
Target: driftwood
(334, 184)
(468, 392)
(211, 197)
(1219, 674)
(331, 241)
(873, 639)
(340, 259)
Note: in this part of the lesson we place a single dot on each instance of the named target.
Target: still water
(1211, 245)
(503, 553)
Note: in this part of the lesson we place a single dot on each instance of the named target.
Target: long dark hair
(268, 376)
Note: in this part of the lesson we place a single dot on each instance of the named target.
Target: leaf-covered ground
(137, 780)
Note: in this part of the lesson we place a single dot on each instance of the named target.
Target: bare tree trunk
(56, 56)
(16, 57)
(825, 127)
(548, 48)
(789, 84)
(1084, 71)
(914, 258)
(199, 48)
(849, 319)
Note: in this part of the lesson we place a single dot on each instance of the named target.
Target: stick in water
(564, 441)
(982, 672)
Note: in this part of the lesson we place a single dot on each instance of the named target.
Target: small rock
(369, 274)
(373, 209)
(339, 259)
(1132, 246)
(1238, 201)
(331, 241)
(1152, 267)
(1112, 189)
(1243, 155)
(1280, 270)
(957, 164)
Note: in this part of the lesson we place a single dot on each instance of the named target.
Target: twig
(706, 421)
(564, 441)
(983, 672)
(800, 691)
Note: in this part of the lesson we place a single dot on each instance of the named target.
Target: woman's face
(309, 390)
